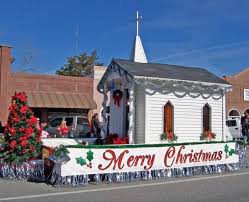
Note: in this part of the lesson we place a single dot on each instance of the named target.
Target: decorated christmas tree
(22, 137)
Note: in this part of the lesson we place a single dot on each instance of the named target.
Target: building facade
(237, 100)
(47, 95)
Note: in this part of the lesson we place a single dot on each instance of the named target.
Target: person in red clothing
(63, 129)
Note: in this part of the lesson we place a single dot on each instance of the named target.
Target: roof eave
(201, 82)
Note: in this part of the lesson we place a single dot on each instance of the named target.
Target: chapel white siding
(139, 115)
(187, 117)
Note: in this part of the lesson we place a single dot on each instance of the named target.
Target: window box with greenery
(169, 136)
(207, 135)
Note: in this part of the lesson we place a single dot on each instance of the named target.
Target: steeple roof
(137, 53)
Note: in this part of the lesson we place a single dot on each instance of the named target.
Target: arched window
(234, 112)
(206, 117)
(168, 117)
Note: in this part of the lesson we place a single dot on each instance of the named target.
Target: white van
(233, 129)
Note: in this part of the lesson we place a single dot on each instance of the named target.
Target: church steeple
(137, 53)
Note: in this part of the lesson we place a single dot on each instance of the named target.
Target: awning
(60, 100)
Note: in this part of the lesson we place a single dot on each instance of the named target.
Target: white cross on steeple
(137, 54)
(138, 18)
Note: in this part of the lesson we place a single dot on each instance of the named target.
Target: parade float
(173, 118)
(163, 121)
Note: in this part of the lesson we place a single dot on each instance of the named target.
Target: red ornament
(117, 96)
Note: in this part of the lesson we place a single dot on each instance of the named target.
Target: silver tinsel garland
(82, 180)
(28, 171)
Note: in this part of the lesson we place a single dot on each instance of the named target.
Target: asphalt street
(226, 187)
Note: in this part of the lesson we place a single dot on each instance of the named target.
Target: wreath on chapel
(117, 96)
(169, 136)
(207, 135)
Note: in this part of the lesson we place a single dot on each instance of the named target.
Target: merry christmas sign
(128, 159)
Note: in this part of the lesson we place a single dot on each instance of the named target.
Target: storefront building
(48, 95)
(237, 100)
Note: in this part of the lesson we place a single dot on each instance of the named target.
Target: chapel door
(168, 117)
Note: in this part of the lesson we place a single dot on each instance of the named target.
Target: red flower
(24, 143)
(21, 129)
(31, 148)
(16, 115)
(15, 119)
(23, 138)
(170, 135)
(209, 135)
(119, 141)
(126, 139)
(12, 107)
(12, 144)
(22, 97)
(32, 120)
(23, 109)
(12, 131)
(29, 131)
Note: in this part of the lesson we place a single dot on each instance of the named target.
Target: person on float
(44, 134)
(63, 129)
(95, 124)
(245, 126)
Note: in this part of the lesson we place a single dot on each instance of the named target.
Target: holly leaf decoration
(89, 156)
(81, 161)
(231, 152)
(226, 149)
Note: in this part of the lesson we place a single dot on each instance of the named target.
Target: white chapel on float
(148, 99)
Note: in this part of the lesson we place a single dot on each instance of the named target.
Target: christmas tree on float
(22, 138)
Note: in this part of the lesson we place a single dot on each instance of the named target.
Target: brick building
(237, 100)
(47, 94)
(98, 97)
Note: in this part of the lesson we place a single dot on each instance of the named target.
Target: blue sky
(213, 34)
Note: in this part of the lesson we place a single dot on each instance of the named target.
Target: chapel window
(206, 117)
(168, 117)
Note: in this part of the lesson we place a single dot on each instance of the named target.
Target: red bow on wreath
(117, 96)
